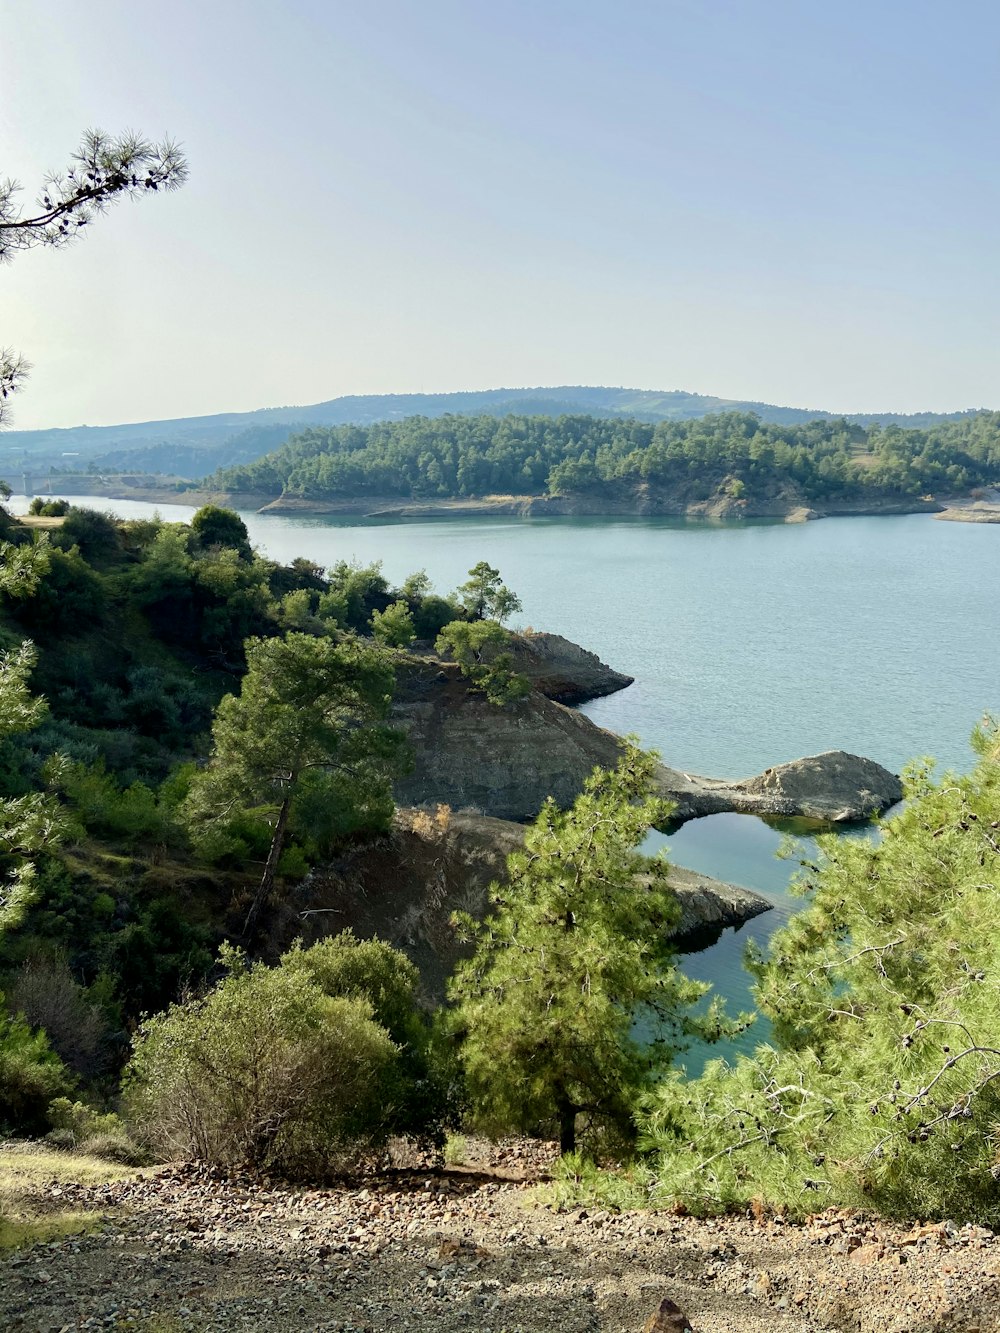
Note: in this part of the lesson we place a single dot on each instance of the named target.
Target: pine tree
(576, 951)
(307, 706)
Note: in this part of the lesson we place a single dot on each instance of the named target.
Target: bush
(80, 1121)
(266, 1069)
(31, 1075)
(431, 613)
(95, 533)
(214, 526)
(46, 995)
(48, 508)
(418, 1093)
(128, 814)
(393, 626)
(114, 1147)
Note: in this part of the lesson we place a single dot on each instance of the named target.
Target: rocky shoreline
(719, 509)
(644, 503)
(505, 762)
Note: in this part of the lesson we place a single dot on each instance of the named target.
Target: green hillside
(193, 446)
(735, 452)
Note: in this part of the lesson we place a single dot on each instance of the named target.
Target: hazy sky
(788, 200)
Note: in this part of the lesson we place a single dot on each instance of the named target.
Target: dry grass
(29, 1215)
(42, 521)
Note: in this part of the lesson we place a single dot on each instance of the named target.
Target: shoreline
(396, 509)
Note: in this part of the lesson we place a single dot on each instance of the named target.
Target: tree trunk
(270, 868)
(566, 1112)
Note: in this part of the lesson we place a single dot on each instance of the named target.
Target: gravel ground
(184, 1249)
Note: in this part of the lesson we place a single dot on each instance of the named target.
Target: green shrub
(31, 1075)
(419, 1090)
(48, 508)
(94, 533)
(393, 626)
(82, 1122)
(431, 613)
(129, 814)
(80, 1128)
(266, 1069)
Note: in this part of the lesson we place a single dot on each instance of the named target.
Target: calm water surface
(750, 645)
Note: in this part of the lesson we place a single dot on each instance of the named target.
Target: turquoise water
(750, 644)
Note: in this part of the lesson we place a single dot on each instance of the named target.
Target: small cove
(751, 645)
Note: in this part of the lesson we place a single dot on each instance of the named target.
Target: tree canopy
(881, 1087)
(102, 171)
(732, 454)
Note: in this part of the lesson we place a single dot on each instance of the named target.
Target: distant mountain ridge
(194, 446)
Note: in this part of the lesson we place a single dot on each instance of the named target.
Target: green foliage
(22, 566)
(393, 626)
(883, 1088)
(126, 815)
(267, 1069)
(431, 613)
(577, 949)
(307, 708)
(68, 597)
(48, 508)
(456, 456)
(94, 534)
(419, 1093)
(210, 599)
(31, 1075)
(213, 526)
(360, 589)
(31, 822)
(416, 585)
(81, 1121)
(477, 648)
(485, 596)
(79, 1127)
(295, 612)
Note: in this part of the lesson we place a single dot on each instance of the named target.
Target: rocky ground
(182, 1248)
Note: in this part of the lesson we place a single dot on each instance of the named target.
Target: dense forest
(734, 454)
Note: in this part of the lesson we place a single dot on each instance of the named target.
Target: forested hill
(733, 453)
(193, 446)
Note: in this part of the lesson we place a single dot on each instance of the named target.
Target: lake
(751, 644)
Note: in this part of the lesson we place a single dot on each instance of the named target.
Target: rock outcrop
(833, 788)
(710, 904)
(501, 761)
(504, 762)
(562, 670)
(404, 887)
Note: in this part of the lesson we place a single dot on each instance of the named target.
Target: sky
(783, 200)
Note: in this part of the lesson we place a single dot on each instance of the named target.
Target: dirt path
(182, 1250)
